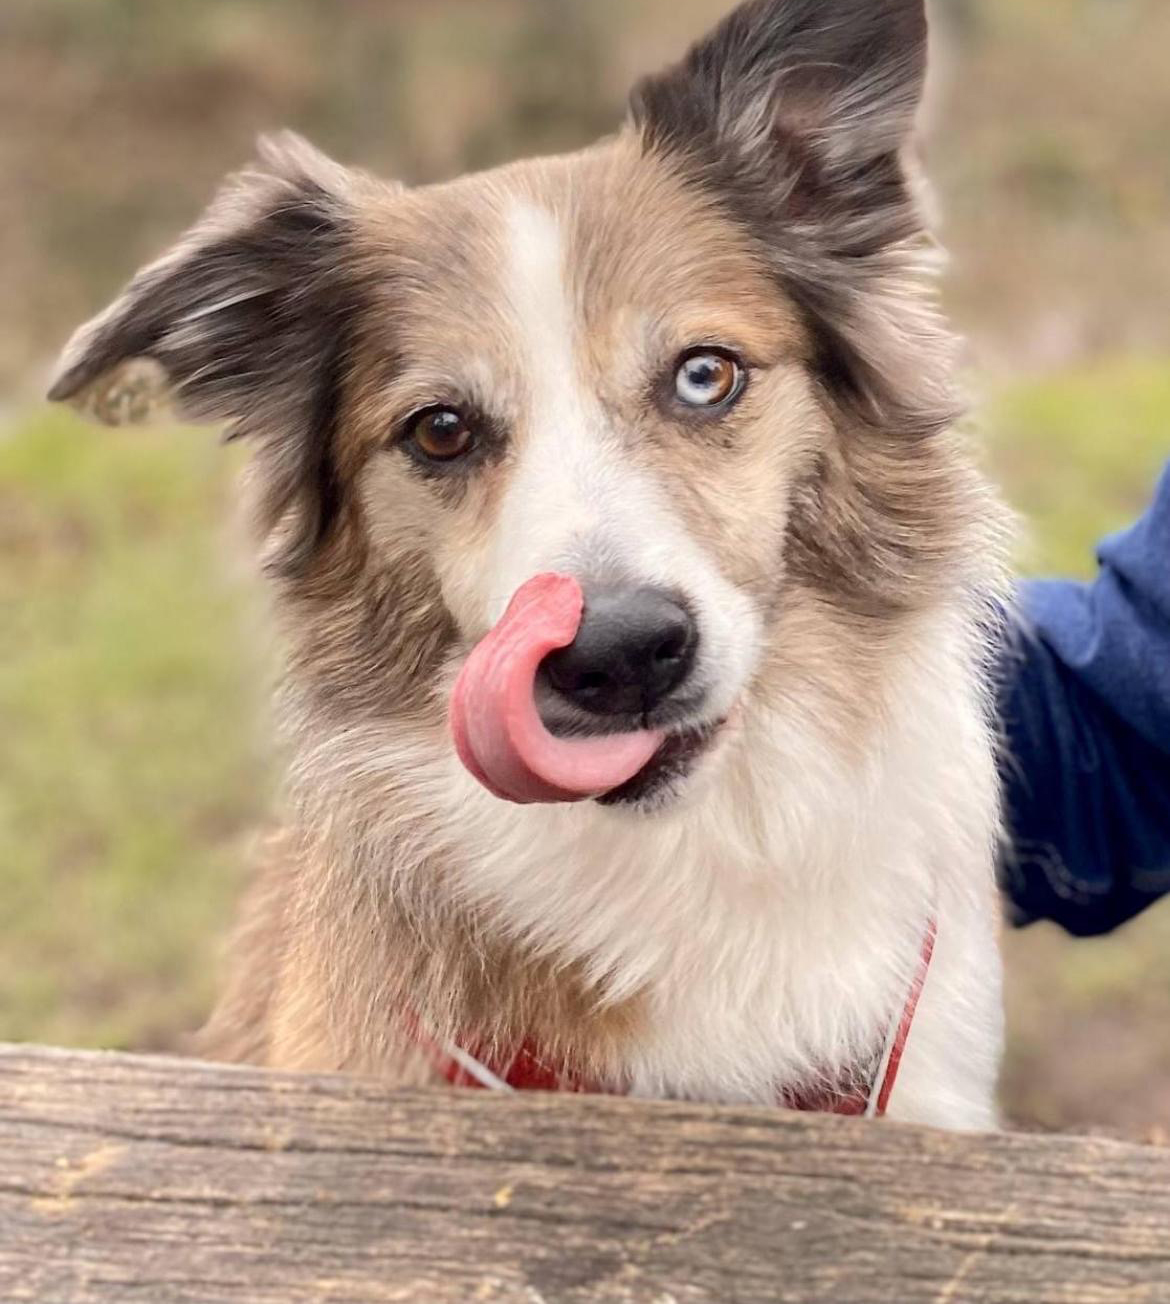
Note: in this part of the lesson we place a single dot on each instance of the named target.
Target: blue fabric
(1085, 709)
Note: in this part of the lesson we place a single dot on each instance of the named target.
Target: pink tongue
(498, 733)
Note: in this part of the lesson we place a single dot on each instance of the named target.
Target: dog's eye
(708, 378)
(440, 434)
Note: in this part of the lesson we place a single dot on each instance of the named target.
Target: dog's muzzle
(498, 730)
(635, 647)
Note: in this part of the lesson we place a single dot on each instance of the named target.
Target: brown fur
(831, 494)
(876, 525)
(326, 978)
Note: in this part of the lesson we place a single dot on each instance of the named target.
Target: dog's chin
(664, 781)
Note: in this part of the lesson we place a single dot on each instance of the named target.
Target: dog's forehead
(634, 248)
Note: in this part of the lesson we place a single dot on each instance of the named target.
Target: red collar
(855, 1093)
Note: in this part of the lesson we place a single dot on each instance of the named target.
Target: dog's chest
(769, 998)
(756, 975)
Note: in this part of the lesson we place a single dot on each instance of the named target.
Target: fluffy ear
(819, 96)
(796, 115)
(247, 321)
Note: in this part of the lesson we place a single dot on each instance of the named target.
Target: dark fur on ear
(796, 115)
(819, 89)
(249, 317)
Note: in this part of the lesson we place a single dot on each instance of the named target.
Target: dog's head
(692, 367)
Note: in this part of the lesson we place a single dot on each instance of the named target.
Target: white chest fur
(775, 920)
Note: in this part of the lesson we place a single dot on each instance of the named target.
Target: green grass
(1078, 454)
(131, 776)
(128, 766)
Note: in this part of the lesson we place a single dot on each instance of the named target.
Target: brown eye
(708, 378)
(441, 434)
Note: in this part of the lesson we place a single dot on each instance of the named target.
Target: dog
(691, 385)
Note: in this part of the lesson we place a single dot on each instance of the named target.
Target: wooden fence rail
(156, 1181)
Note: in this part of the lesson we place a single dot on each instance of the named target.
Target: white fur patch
(576, 502)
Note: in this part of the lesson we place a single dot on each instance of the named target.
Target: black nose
(634, 647)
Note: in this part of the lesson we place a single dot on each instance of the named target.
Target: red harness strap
(893, 1056)
(857, 1094)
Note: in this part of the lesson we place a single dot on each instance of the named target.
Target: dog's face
(689, 366)
(590, 372)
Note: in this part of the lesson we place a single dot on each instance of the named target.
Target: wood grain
(128, 1179)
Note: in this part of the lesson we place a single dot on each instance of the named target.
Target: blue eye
(708, 378)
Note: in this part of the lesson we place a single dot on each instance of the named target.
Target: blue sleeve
(1085, 711)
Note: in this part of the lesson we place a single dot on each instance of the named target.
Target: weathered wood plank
(127, 1179)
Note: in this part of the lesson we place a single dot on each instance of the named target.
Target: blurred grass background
(132, 735)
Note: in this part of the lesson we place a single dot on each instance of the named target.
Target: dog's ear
(798, 116)
(246, 322)
(815, 98)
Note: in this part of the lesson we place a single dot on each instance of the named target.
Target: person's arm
(1085, 710)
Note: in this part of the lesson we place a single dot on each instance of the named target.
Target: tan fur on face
(805, 506)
